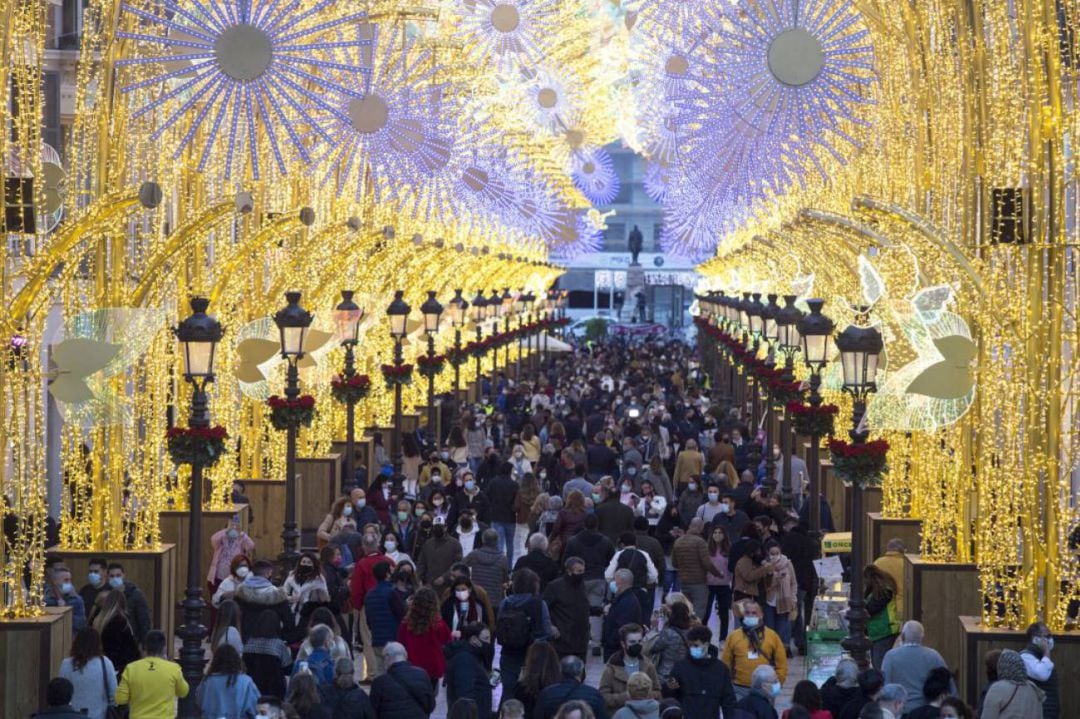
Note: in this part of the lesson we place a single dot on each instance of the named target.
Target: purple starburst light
(250, 67)
(507, 34)
(657, 181)
(588, 238)
(594, 174)
(791, 78)
(551, 99)
(389, 130)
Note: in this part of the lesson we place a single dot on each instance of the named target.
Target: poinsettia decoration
(457, 357)
(430, 366)
(785, 392)
(196, 445)
(861, 464)
(288, 413)
(350, 390)
(395, 375)
(811, 421)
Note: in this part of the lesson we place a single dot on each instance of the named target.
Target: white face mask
(725, 507)
(242, 572)
(713, 496)
(391, 546)
(692, 486)
(462, 595)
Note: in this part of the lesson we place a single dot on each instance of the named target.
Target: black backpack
(513, 627)
(634, 560)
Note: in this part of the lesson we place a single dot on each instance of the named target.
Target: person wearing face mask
(434, 464)
(1040, 667)
(392, 548)
(228, 543)
(764, 689)
(466, 674)
(712, 507)
(569, 607)
(462, 606)
(753, 645)
(437, 555)
(729, 518)
(690, 498)
(361, 514)
(340, 515)
(781, 595)
(60, 592)
(383, 611)
(632, 460)
(628, 660)
(97, 582)
(656, 475)
(305, 587)
(137, 607)
(624, 608)
(403, 523)
(701, 682)
(471, 499)
(239, 569)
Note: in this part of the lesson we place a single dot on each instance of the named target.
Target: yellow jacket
(150, 688)
(892, 563)
(737, 656)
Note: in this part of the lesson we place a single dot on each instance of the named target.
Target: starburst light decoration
(250, 69)
(508, 34)
(594, 174)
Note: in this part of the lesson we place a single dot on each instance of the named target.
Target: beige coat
(613, 680)
(690, 556)
(689, 463)
(782, 591)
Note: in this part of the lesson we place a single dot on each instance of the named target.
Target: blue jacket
(215, 699)
(321, 666)
(73, 600)
(380, 616)
(466, 677)
(624, 609)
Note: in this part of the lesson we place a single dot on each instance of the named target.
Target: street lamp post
(398, 313)
(530, 298)
(815, 329)
(198, 336)
(519, 311)
(768, 334)
(507, 310)
(432, 311)
(787, 333)
(293, 322)
(459, 315)
(754, 321)
(479, 314)
(347, 318)
(494, 312)
(860, 347)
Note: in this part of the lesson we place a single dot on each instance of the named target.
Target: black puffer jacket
(594, 548)
(466, 677)
(351, 703)
(569, 609)
(404, 692)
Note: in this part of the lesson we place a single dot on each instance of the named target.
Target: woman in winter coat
(570, 520)
(1012, 696)
(344, 699)
(226, 692)
(239, 569)
(305, 585)
(113, 624)
(340, 515)
(228, 543)
(91, 674)
(670, 646)
(462, 607)
(641, 705)
(423, 633)
(781, 595)
(884, 624)
(266, 655)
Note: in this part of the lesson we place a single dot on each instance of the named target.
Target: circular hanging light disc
(243, 52)
(677, 65)
(505, 18)
(547, 97)
(796, 57)
(369, 115)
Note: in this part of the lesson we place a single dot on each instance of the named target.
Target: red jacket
(426, 650)
(363, 577)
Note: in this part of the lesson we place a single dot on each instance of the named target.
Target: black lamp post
(507, 310)
(755, 321)
(459, 315)
(529, 301)
(494, 312)
(198, 336)
(787, 339)
(860, 347)
(432, 311)
(815, 329)
(768, 334)
(347, 317)
(479, 315)
(398, 313)
(293, 322)
(743, 325)
(518, 305)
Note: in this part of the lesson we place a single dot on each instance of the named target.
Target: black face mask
(466, 525)
(633, 651)
(425, 525)
(575, 579)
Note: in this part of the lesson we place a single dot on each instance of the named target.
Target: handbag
(111, 710)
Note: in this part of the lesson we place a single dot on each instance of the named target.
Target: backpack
(633, 560)
(513, 627)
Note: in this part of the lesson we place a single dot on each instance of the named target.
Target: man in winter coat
(404, 691)
(538, 560)
(438, 554)
(522, 620)
(571, 688)
(625, 608)
(466, 677)
(361, 582)
(640, 565)
(629, 659)
(568, 606)
(615, 517)
(488, 566)
(138, 609)
(501, 492)
(690, 557)
(255, 594)
(383, 610)
(701, 682)
(763, 692)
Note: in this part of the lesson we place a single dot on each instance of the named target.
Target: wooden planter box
(977, 640)
(318, 485)
(936, 594)
(151, 570)
(266, 502)
(879, 530)
(365, 449)
(31, 650)
(174, 530)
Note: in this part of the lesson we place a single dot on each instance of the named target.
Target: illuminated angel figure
(389, 130)
(506, 33)
(249, 67)
(792, 78)
(594, 174)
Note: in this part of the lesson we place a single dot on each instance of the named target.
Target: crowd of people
(602, 508)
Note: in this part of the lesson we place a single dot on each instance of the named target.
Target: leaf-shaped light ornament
(930, 302)
(950, 378)
(870, 281)
(802, 287)
(76, 359)
(256, 357)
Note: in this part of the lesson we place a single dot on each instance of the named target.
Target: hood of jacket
(643, 707)
(488, 555)
(455, 648)
(259, 590)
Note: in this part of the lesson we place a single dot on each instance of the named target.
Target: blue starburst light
(594, 174)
